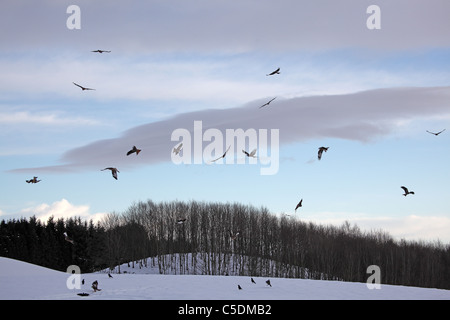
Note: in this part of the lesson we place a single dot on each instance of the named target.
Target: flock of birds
(177, 150)
(253, 281)
(252, 154)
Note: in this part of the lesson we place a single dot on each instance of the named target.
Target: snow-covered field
(20, 280)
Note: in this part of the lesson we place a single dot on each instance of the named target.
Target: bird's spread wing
(267, 103)
(299, 204)
(319, 155)
(273, 72)
(83, 88)
(223, 156)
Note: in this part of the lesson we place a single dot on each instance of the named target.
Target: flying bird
(222, 156)
(134, 149)
(267, 103)
(82, 88)
(436, 133)
(298, 205)
(274, 72)
(251, 154)
(67, 238)
(34, 180)
(113, 171)
(177, 150)
(321, 150)
(233, 236)
(101, 51)
(181, 221)
(406, 191)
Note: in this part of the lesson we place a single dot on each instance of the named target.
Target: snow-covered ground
(21, 280)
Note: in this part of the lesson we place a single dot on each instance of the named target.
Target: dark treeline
(44, 244)
(266, 245)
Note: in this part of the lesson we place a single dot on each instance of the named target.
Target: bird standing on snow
(34, 180)
(268, 283)
(406, 191)
(321, 150)
(239, 287)
(133, 150)
(95, 286)
(253, 281)
(113, 171)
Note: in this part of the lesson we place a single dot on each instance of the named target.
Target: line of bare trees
(265, 245)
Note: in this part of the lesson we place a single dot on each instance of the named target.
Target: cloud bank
(201, 25)
(361, 116)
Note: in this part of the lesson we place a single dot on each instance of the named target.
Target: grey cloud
(361, 116)
(225, 26)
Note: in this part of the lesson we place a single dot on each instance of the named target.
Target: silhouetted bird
(109, 275)
(436, 133)
(83, 294)
(101, 51)
(181, 221)
(82, 281)
(223, 156)
(274, 72)
(133, 150)
(406, 191)
(67, 238)
(298, 205)
(321, 150)
(253, 281)
(82, 88)
(267, 103)
(251, 154)
(268, 283)
(239, 287)
(34, 180)
(113, 171)
(95, 286)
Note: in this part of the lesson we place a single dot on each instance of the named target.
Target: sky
(365, 78)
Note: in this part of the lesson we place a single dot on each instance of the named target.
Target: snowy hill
(20, 280)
